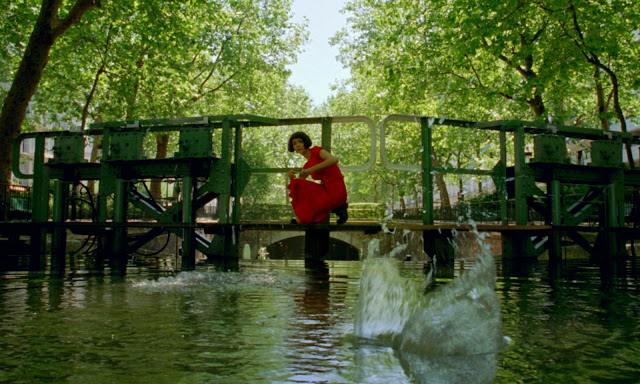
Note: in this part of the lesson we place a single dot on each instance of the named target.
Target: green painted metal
(243, 174)
(188, 250)
(68, 149)
(126, 145)
(518, 183)
(118, 255)
(326, 133)
(204, 176)
(549, 148)
(555, 196)
(238, 173)
(427, 171)
(224, 179)
(606, 153)
(195, 143)
(59, 239)
(40, 199)
(521, 178)
(500, 178)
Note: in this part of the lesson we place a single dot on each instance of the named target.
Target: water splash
(386, 300)
(452, 333)
(217, 280)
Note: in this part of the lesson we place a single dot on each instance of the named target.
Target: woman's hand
(305, 173)
(291, 174)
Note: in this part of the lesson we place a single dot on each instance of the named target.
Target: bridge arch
(290, 244)
(293, 248)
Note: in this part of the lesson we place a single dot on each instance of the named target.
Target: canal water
(338, 322)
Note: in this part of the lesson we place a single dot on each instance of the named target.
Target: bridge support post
(616, 214)
(316, 243)
(555, 237)
(59, 239)
(439, 245)
(610, 244)
(118, 257)
(40, 216)
(517, 246)
(188, 247)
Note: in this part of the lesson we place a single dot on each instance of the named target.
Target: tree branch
(217, 60)
(592, 58)
(101, 70)
(74, 16)
(475, 72)
(212, 90)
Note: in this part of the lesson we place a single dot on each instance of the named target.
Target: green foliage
(366, 210)
(458, 59)
(493, 59)
(282, 212)
(135, 60)
(489, 60)
(258, 211)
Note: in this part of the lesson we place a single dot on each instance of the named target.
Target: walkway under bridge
(210, 166)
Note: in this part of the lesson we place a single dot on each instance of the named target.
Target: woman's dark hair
(300, 135)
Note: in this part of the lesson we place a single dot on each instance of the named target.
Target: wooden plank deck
(371, 227)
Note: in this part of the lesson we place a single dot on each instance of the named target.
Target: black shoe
(343, 214)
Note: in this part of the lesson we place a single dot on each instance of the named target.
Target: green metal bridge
(204, 176)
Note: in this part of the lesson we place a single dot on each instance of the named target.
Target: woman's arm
(329, 160)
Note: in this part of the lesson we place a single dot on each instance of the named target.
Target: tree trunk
(445, 202)
(95, 150)
(594, 60)
(602, 103)
(618, 109)
(162, 142)
(47, 29)
(537, 104)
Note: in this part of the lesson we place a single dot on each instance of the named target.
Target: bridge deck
(372, 227)
(360, 226)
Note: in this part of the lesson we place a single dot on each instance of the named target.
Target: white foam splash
(461, 318)
(456, 325)
(386, 300)
(216, 280)
(373, 248)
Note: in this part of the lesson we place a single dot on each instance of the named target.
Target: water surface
(274, 322)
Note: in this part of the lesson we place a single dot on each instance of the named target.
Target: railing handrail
(208, 122)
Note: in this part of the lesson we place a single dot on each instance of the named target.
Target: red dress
(313, 202)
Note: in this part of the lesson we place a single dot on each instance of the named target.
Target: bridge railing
(327, 126)
(125, 142)
(522, 184)
(231, 152)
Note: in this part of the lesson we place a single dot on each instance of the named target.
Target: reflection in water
(316, 335)
(284, 322)
(313, 311)
(323, 349)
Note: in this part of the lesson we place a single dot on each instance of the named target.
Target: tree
(149, 59)
(492, 60)
(615, 55)
(48, 27)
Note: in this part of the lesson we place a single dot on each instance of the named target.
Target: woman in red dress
(313, 202)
